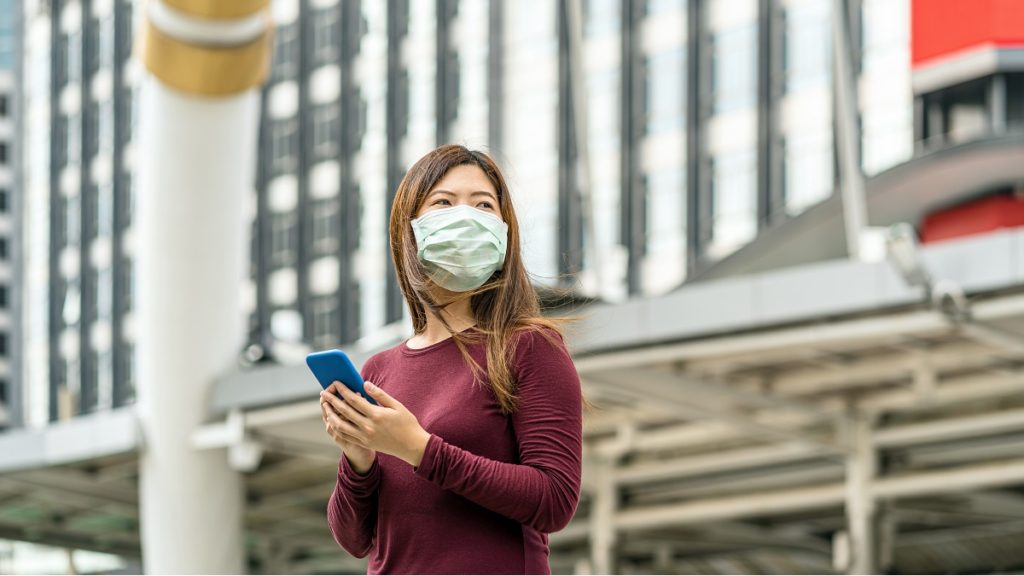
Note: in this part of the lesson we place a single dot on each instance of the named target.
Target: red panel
(943, 27)
(984, 215)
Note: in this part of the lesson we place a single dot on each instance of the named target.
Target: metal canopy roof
(731, 422)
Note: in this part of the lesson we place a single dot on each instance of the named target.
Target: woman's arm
(542, 491)
(352, 509)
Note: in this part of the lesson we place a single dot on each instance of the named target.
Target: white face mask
(460, 247)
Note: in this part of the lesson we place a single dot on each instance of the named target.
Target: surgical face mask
(460, 247)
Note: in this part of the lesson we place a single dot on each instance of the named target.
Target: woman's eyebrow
(476, 193)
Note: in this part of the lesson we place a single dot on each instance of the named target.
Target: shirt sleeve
(542, 490)
(352, 509)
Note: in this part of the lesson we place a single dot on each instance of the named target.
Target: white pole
(583, 167)
(851, 178)
(198, 128)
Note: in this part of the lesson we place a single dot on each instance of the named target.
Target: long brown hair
(503, 306)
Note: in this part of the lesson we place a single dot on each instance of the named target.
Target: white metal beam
(717, 462)
(839, 333)
(950, 481)
(664, 389)
(950, 429)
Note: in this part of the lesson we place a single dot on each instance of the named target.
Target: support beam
(857, 331)
(805, 498)
(665, 390)
(718, 462)
(602, 518)
(861, 468)
(950, 429)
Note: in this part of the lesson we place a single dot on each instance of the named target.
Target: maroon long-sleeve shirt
(490, 486)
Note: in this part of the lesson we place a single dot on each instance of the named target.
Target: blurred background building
(767, 404)
(8, 220)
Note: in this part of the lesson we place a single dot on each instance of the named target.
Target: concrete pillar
(198, 129)
(602, 517)
(861, 468)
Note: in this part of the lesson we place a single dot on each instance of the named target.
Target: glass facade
(9, 248)
(805, 121)
(706, 123)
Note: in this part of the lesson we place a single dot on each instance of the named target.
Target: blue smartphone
(331, 365)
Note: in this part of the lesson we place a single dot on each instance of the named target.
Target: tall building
(8, 222)
(705, 125)
(706, 122)
(79, 130)
(676, 160)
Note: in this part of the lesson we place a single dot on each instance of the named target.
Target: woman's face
(466, 184)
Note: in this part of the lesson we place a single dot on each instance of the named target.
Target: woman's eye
(440, 200)
(486, 205)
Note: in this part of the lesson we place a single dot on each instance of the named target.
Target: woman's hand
(360, 458)
(389, 428)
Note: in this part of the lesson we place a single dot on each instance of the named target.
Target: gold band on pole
(218, 9)
(206, 70)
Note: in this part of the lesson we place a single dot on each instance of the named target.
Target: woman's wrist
(417, 448)
(359, 465)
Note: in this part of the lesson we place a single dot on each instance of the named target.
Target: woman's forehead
(465, 178)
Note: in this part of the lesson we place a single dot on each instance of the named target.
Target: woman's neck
(458, 315)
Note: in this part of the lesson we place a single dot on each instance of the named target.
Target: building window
(104, 125)
(3, 344)
(103, 215)
(4, 398)
(73, 140)
(807, 170)
(4, 153)
(807, 158)
(734, 69)
(282, 239)
(4, 106)
(326, 33)
(666, 99)
(326, 131)
(125, 29)
(103, 374)
(659, 7)
(601, 17)
(3, 249)
(325, 322)
(105, 42)
(128, 111)
(126, 285)
(665, 254)
(808, 46)
(3, 297)
(104, 294)
(127, 199)
(733, 207)
(326, 227)
(3, 200)
(72, 221)
(73, 56)
(283, 145)
(286, 51)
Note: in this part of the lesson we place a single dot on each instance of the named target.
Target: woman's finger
(346, 411)
(359, 403)
(345, 427)
(350, 440)
(332, 399)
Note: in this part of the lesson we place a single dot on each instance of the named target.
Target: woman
(472, 455)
